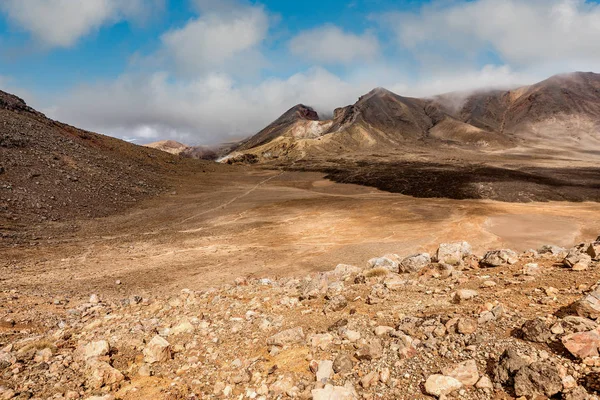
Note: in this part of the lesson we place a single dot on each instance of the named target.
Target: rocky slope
(51, 171)
(563, 110)
(451, 325)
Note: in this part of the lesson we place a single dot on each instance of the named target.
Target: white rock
(351, 335)
(466, 372)
(183, 327)
(383, 330)
(465, 294)
(322, 341)
(484, 383)
(96, 349)
(158, 350)
(330, 392)
(440, 385)
(383, 262)
(324, 371)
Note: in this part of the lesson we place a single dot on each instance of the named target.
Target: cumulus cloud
(521, 33)
(468, 80)
(207, 110)
(218, 38)
(331, 45)
(61, 23)
(215, 108)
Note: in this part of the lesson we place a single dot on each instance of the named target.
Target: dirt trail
(268, 223)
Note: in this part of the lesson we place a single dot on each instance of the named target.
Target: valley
(254, 222)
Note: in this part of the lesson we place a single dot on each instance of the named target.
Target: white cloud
(522, 33)
(209, 109)
(330, 45)
(215, 108)
(223, 40)
(469, 80)
(61, 23)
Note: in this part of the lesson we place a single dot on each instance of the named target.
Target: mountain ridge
(385, 121)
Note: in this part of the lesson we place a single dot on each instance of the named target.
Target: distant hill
(170, 146)
(197, 152)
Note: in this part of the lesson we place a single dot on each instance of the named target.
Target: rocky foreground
(454, 325)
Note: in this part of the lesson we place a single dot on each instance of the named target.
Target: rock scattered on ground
(399, 328)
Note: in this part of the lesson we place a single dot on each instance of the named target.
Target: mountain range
(562, 110)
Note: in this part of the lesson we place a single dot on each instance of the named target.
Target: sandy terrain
(268, 223)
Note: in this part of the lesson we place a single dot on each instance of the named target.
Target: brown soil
(252, 222)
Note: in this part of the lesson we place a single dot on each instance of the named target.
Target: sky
(211, 71)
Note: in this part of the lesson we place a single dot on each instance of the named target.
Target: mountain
(563, 109)
(170, 146)
(196, 152)
(53, 171)
(297, 116)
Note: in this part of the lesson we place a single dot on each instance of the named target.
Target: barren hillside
(51, 171)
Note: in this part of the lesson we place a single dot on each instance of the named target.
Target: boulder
(330, 392)
(158, 350)
(183, 327)
(452, 253)
(284, 385)
(538, 379)
(551, 250)
(574, 324)
(589, 305)
(466, 326)
(289, 336)
(324, 371)
(351, 336)
(440, 385)
(497, 258)
(583, 344)
(383, 330)
(536, 330)
(394, 282)
(96, 349)
(321, 341)
(593, 250)
(484, 383)
(507, 366)
(464, 294)
(370, 351)
(102, 374)
(577, 258)
(531, 269)
(415, 263)
(369, 379)
(343, 363)
(386, 262)
(466, 372)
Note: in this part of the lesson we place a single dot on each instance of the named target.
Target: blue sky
(205, 71)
